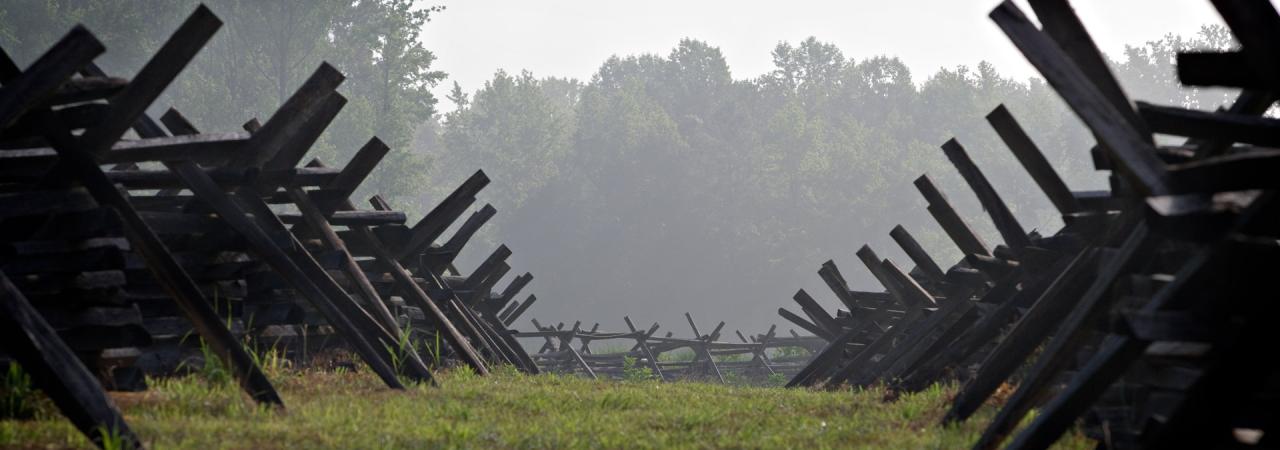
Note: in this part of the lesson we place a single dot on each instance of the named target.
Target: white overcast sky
(571, 38)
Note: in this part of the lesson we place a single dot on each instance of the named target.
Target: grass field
(509, 410)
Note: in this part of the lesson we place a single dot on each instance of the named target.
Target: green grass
(508, 410)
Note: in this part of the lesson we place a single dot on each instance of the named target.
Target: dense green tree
(664, 181)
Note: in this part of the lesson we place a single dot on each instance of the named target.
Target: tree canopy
(664, 183)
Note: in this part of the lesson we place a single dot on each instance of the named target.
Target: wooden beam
(1218, 126)
(915, 338)
(55, 369)
(492, 306)
(1235, 172)
(946, 216)
(917, 295)
(1033, 160)
(485, 269)
(814, 310)
(1256, 26)
(1010, 230)
(445, 254)
(316, 221)
(1060, 23)
(438, 219)
(25, 89)
(830, 275)
(1130, 152)
(291, 117)
(821, 363)
(151, 80)
(918, 255)
(800, 322)
(1060, 351)
(1226, 69)
(1026, 335)
(353, 174)
(511, 318)
(875, 265)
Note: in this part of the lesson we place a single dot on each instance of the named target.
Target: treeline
(663, 184)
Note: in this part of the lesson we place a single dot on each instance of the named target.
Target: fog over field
(651, 159)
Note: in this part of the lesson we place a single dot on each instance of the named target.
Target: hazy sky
(473, 38)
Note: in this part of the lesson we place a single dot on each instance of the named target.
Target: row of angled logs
(667, 358)
(122, 255)
(1145, 319)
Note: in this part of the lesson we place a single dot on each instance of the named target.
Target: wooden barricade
(1141, 317)
(124, 255)
(703, 357)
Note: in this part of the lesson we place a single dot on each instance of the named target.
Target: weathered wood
(288, 120)
(1069, 338)
(1254, 25)
(416, 296)
(356, 170)
(946, 216)
(1118, 352)
(506, 311)
(915, 338)
(1026, 335)
(814, 310)
(339, 310)
(485, 289)
(860, 363)
(800, 322)
(496, 306)
(486, 269)
(87, 88)
(877, 268)
(315, 219)
(1228, 69)
(823, 361)
(917, 295)
(56, 370)
(1249, 102)
(1213, 403)
(965, 313)
(1062, 25)
(1112, 358)
(1010, 230)
(228, 177)
(991, 266)
(644, 347)
(1219, 126)
(339, 302)
(445, 254)
(350, 218)
(511, 318)
(830, 275)
(918, 255)
(23, 90)
(1129, 150)
(164, 267)
(151, 80)
(1033, 160)
(1006, 295)
(439, 218)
